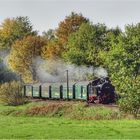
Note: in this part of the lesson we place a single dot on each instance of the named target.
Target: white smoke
(100, 72)
(55, 71)
(3, 58)
(5, 73)
(48, 71)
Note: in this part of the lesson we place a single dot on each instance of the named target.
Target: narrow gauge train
(100, 90)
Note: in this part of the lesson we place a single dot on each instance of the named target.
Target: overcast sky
(46, 14)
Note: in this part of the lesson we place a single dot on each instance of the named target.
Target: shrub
(11, 93)
(81, 112)
(130, 104)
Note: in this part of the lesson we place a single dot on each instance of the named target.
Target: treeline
(77, 41)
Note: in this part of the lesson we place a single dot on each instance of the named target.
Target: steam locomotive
(103, 91)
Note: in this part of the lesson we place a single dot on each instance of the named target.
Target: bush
(82, 112)
(11, 94)
(130, 103)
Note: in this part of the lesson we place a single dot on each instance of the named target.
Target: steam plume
(55, 71)
(100, 72)
(5, 74)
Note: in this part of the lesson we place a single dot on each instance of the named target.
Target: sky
(47, 14)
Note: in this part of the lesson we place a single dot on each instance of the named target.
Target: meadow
(60, 128)
(65, 121)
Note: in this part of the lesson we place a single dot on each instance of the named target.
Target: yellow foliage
(52, 50)
(11, 93)
(22, 54)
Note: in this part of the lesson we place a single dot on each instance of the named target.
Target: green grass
(60, 128)
(65, 120)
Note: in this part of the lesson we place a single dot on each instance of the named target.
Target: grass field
(60, 128)
(64, 121)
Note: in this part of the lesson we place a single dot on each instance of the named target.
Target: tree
(49, 35)
(111, 38)
(123, 63)
(57, 40)
(52, 50)
(70, 24)
(14, 29)
(84, 45)
(23, 60)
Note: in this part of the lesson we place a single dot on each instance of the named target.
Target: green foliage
(11, 94)
(81, 112)
(123, 63)
(49, 35)
(130, 104)
(84, 45)
(57, 39)
(70, 25)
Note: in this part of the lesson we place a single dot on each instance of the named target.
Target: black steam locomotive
(103, 91)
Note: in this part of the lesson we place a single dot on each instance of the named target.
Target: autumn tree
(23, 60)
(52, 50)
(70, 24)
(13, 29)
(57, 39)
